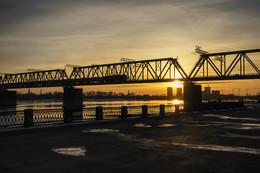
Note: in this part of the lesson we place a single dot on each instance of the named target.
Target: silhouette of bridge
(210, 66)
(153, 70)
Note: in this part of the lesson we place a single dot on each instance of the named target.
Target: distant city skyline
(141, 89)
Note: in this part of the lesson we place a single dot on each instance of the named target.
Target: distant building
(206, 94)
(215, 94)
(169, 92)
(179, 93)
(207, 90)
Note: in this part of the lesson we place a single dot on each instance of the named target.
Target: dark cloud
(96, 31)
(244, 7)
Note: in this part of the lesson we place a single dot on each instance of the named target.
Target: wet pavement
(214, 141)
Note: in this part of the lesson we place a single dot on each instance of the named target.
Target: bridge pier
(7, 98)
(192, 97)
(72, 103)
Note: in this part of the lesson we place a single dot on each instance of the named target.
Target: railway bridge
(210, 66)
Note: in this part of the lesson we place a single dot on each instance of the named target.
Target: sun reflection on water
(176, 102)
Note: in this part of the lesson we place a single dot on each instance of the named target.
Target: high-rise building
(169, 92)
(207, 90)
(179, 93)
(206, 94)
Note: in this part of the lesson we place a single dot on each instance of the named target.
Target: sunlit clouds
(49, 34)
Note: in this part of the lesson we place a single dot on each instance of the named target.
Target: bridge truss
(155, 70)
(223, 72)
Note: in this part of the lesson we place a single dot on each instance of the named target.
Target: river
(57, 104)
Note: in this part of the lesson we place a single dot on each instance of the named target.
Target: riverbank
(212, 141)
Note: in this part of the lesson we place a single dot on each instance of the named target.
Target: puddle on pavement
(142, 125)
(166, 125)
(233, 135)
(71, 151)
(231, 118)
(220, 148)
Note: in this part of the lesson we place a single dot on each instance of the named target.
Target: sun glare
(176, 84)
(176, 102)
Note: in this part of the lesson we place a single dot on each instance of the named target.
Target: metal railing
(47, 115)
(111, 112)
(31, 117)
(11, 118)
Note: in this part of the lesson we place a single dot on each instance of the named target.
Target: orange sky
(49, 34)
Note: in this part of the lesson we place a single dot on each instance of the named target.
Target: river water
(57, 104)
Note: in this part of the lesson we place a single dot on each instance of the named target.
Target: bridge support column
(192, 97)
(72, 103)
(7, 98)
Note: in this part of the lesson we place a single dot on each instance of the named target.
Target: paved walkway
(217, 141)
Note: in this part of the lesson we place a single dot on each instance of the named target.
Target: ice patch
(166, 125)
(233, 135)
(101, 130)
(231, 118)
(142, 125)
(221, 148)
(72, 151)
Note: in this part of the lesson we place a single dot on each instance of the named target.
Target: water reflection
(72, 151)
(177, 102)
(57, 104)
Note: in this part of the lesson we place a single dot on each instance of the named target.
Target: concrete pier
(72, 103)
(7, 98)
(192, 97)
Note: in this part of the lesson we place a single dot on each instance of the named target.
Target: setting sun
(176, 84)
(176, 102)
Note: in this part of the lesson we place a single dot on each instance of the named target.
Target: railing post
(67, 115)
(99, 113)
(210, 105)
(219, 103)
(242, 103)
(177, 109)
(162, 109)
(28, 117)
(232, 104)
(144, 111)
(124, 112)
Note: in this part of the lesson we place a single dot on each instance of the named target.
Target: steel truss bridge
(155, 70)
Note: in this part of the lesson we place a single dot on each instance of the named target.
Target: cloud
(48, 34)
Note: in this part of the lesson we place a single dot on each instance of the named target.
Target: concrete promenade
(219, 141)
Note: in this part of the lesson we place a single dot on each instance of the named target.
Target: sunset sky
(37, 34)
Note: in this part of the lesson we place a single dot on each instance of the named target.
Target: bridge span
(210, 66)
